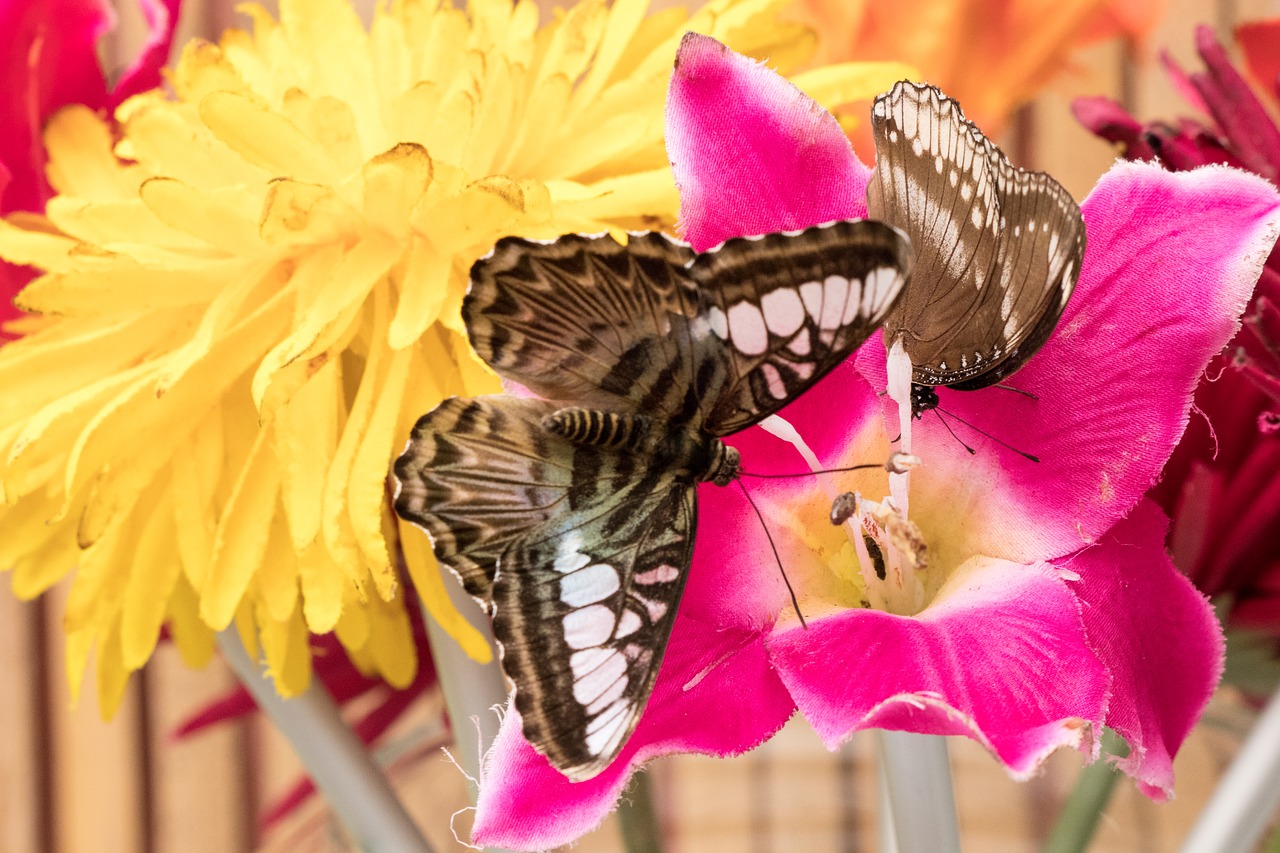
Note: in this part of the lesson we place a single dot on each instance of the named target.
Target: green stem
(1083, 809)
(637, 818)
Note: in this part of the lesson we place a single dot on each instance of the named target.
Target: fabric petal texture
(717, 694)
(1113, 385)
(751, 153)
(1134, 602)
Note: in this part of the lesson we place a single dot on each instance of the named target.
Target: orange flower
(991, 55)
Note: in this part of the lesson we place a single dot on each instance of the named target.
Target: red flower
(1221, 486)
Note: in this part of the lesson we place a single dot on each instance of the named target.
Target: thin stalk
(1078, 820)
(921, 806)
(1246, 799)
(344, 772)
(474, 693)
(638, 819)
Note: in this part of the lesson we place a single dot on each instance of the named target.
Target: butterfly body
(573, 517)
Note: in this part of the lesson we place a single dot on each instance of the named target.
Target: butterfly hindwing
(584, 608)
(786, 308)
(998, 249)
(584, 318)
(477, 474)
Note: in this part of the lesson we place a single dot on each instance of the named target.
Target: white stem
(344, 772)
(1247, 797)
(921, 804)
(474, 693)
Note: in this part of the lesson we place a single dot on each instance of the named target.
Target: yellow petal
(284, 645)
(194, 639)
(833, 85)
(301, 213)
(394, 182)
(218, 217)
(424, 285)
(424, 570)
(266, 139)
(152, 576)
(331, 123)
(195, 476)
(277, 580)
(391, 641)
(325, 589)
(81, 162)
(307, 431)
(367, 496)
(201, 69)
(352, 629)
(241, 539)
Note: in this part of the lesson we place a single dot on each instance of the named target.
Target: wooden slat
(98, 767)
(200, 790)
(22, 762)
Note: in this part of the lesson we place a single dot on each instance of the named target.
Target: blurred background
(70, 783)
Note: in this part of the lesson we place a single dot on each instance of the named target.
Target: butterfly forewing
(586, 319)
(998, 249)
(788, 307)
(584, 609)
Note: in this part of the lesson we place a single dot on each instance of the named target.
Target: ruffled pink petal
(144, 73)
(735, 579)
(751, 153)
(1170, 264)
(717, 694)
(1157, 636)
(1000, 656)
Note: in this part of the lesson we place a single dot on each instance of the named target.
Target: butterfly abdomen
(597, 428)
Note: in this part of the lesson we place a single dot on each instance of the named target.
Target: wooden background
(72, 784)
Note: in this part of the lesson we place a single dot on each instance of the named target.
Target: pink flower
(1048, 607)
(47, 61)
(1220, 486)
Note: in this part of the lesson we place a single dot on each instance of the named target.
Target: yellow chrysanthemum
(253, 290)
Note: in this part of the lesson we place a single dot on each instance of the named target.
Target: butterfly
(573, 516)
(998, 249)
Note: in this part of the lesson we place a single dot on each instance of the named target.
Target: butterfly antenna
(943, 421)
(988, 435)
(1016, 391)
(794, 602)
(810, 473)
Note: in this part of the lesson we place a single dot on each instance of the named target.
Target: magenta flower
(1048, 607)
(47, 61)
(1219, 487)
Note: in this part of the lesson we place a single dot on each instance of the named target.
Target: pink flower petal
(1170, 264)
(1000, 656)
(1157, 636)
(751, 153)
(717, 694)
(144, 73)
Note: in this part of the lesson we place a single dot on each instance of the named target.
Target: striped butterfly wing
(582, 544)
(477, 474)
(786, 308)
(998, 249)
(585, 607)
(585, 319)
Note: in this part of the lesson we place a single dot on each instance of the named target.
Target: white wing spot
(571, 559)
(628, 624)
(592, 683)
(836, 292)
(777, 387)
(966, 191)
(917, 146)
(937, 164)
(953, 178)
(719, 323)
(783, 311)
(588, 627)
(801, 344)
(589, 585)
(746, 326)
(853, 304)
(811, 293)
(606, 730)
(662, 574)
(879, 283)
